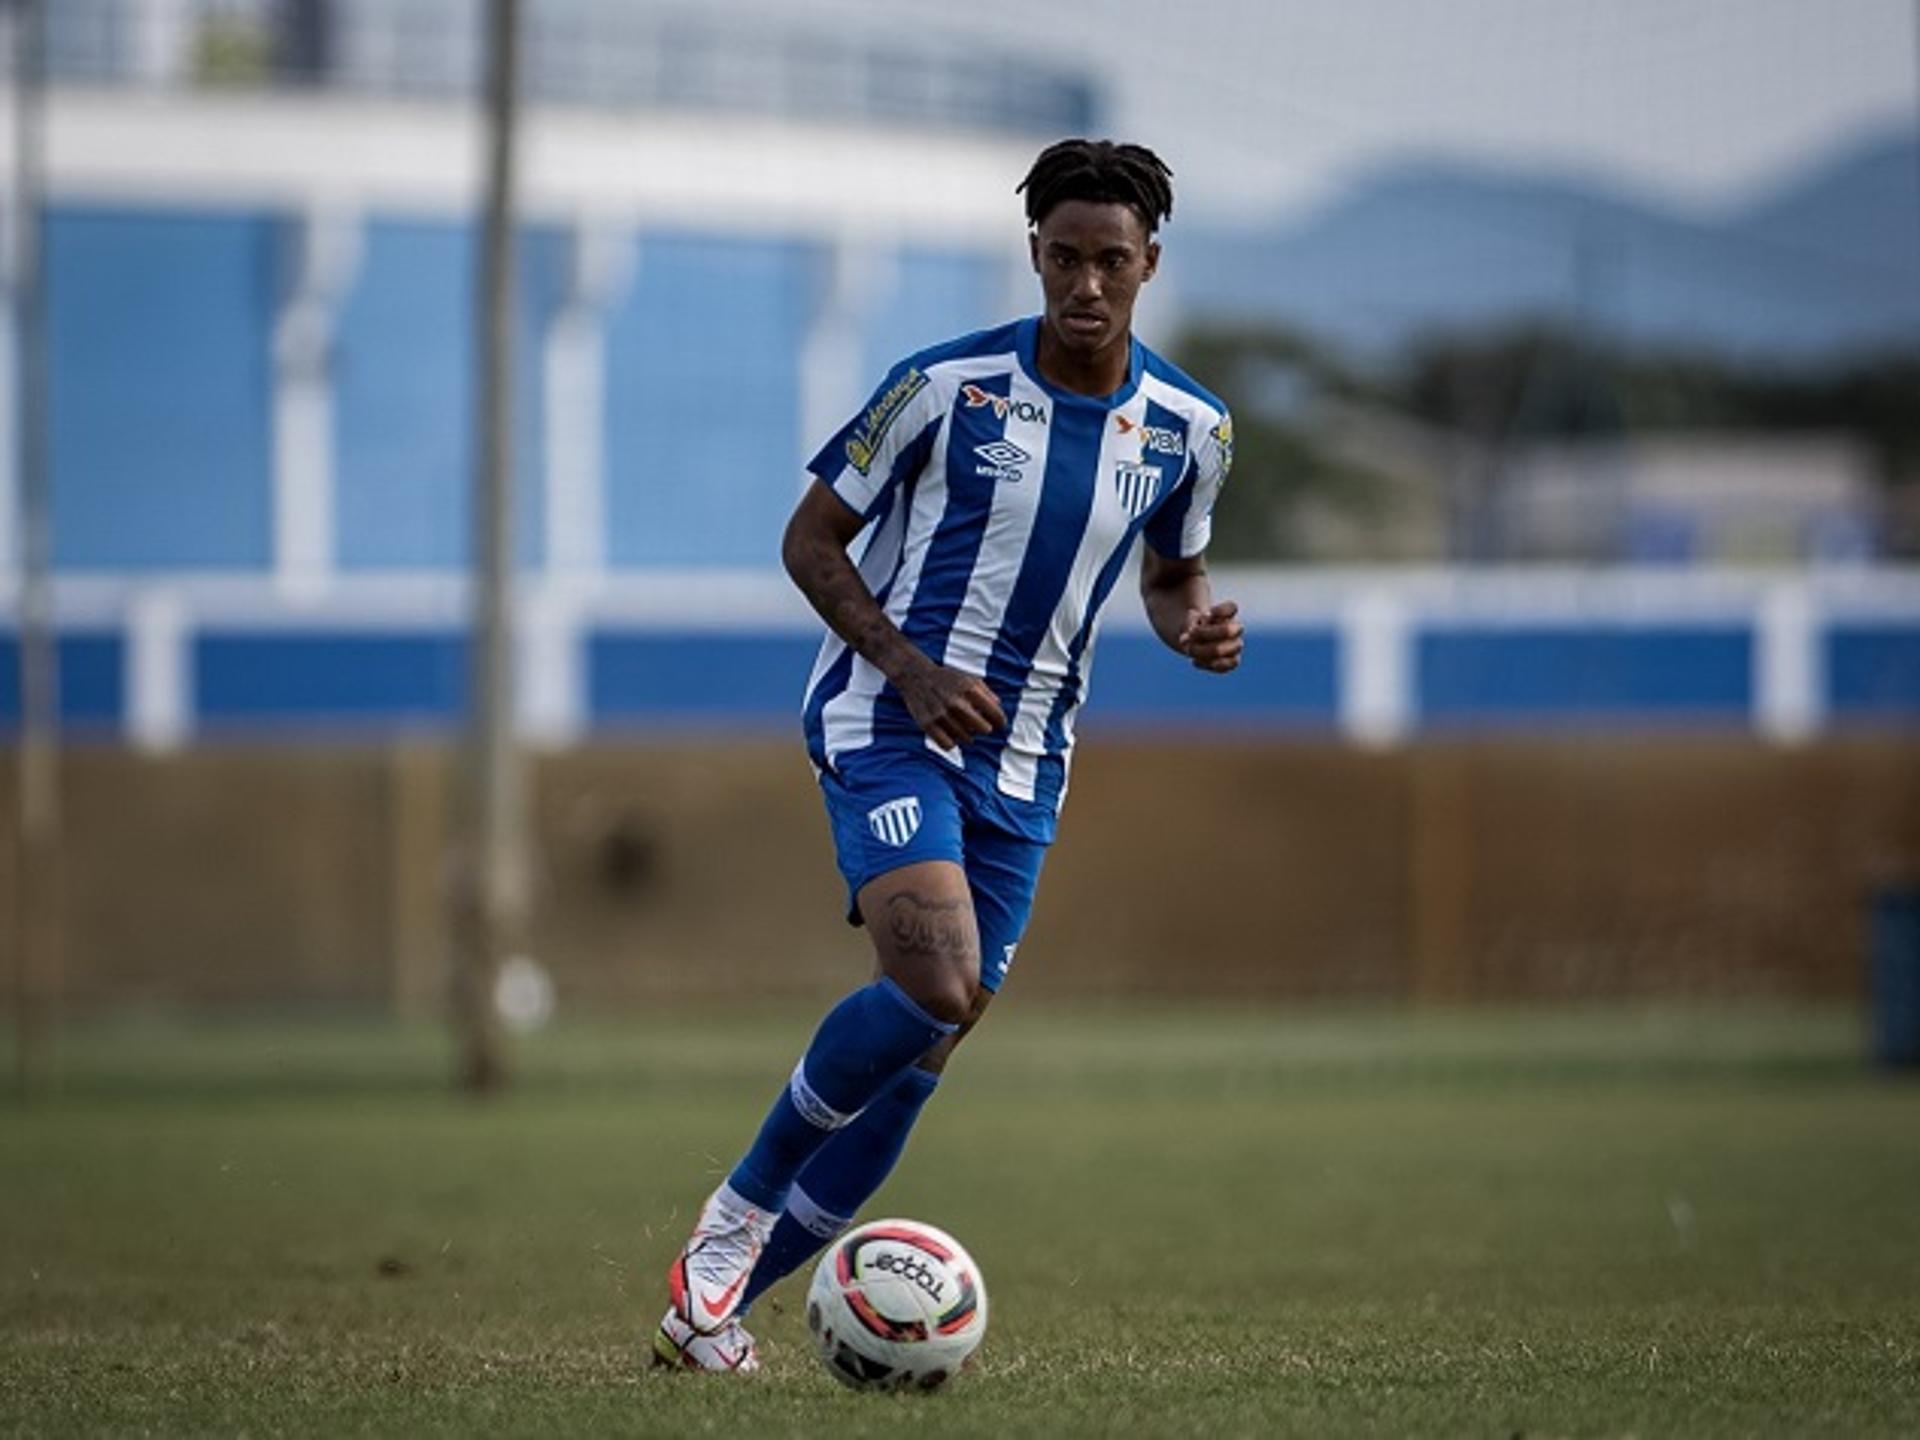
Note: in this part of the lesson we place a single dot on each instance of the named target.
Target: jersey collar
(1029, 352)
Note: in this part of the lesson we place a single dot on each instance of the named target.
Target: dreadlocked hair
(1104, 172)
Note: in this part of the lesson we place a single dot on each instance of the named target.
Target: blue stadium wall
(348, 681)
(161, 388)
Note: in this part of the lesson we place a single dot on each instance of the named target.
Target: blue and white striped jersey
(1000, 512)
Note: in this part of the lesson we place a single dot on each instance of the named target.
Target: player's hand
(1213, 639)
(950, 705)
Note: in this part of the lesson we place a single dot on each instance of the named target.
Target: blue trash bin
(1896, 977)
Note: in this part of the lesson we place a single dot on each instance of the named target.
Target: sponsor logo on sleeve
(1223, 437)
(864, 443)
(1025, 411)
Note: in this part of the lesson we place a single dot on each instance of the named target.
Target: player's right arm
(950, 705)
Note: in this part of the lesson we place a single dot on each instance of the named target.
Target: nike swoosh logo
(719, 1312)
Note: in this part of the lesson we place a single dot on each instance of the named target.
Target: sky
(1266, 106)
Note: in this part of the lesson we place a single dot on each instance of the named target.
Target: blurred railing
(596, 53)
(1376, 657)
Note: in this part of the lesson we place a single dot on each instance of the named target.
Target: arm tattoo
(918, 925)
(835, 589)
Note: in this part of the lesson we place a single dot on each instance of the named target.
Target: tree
(1285, 470)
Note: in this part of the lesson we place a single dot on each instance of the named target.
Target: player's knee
(929, 945)
(948, 992)
(936, 1058)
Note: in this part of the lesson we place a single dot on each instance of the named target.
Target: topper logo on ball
(909, 1268)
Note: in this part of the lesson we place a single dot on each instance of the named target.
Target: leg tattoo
(919, 925)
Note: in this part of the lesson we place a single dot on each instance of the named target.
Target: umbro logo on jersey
(1024, 411)
(896, 822)
(1138, 485)
(1155, 438)
(1004, 459)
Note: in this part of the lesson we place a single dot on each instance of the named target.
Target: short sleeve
(870, 454)
(1182, 527)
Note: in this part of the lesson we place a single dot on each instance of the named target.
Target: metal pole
(37, 959)
(493, 893)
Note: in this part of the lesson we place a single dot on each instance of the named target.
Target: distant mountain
(1861, 210)
(1824, 266)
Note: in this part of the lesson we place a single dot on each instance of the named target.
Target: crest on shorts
(895, 822)
(1137, 484)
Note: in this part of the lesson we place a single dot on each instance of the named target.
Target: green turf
(1229, 1223)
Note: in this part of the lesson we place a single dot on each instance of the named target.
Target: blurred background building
(1524, 458)
(261, 250)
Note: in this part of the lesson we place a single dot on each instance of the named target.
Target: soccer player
(1000, 481)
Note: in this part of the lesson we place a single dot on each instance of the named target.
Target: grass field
(1234, 1223)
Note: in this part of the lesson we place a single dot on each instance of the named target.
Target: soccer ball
(896, 1305)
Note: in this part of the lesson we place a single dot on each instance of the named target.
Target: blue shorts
(890, 808)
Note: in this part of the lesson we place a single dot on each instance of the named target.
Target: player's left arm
(1173, 564)
(1184, 614)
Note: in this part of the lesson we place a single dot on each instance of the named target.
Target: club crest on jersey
(896, 822)
(864, 443)
(1154, 439)
(1137, 485)
(1004, 459)
(1003, 405)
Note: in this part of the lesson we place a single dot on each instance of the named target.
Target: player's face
(1092, 260)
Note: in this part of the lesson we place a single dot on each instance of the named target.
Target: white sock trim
(812, 1108)
(811, 1218)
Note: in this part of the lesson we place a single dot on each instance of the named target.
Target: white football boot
(678, 1345)
(706, 1280)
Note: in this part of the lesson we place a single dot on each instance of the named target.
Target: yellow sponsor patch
(1223, 437)
(864, 443)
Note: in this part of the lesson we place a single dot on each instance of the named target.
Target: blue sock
(858, 1051)
(841, 1178)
